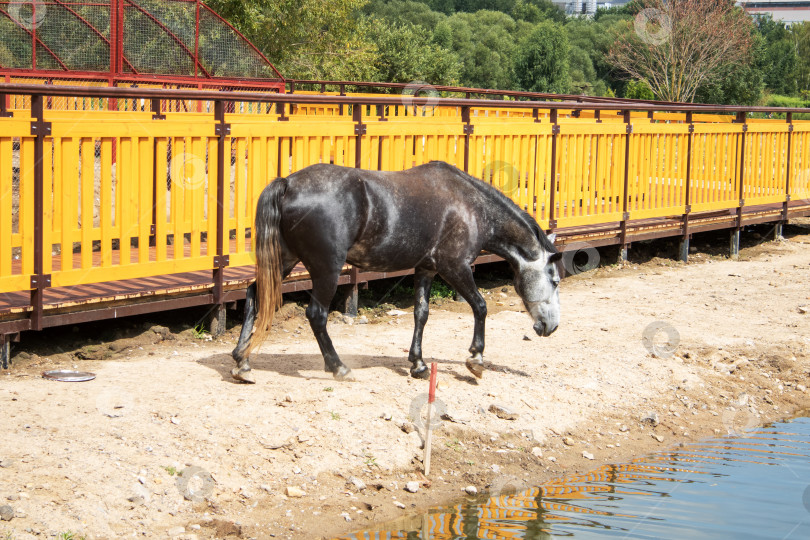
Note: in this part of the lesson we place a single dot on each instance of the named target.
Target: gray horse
(434, 218)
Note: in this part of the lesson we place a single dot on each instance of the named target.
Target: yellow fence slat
(128, 183)
(67, 166)
(145, 200)
(195, 186)
(49, 206)
(106, 209)
(6, 206)
(161, 202)
(178, 200)
(240, 188)
(800, 179)
(26, 207)
(213, 157)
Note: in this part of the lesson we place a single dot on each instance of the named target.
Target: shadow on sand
(303, 366)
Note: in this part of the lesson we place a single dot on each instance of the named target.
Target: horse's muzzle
(544, 330)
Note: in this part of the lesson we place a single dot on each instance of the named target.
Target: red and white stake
(431, 399)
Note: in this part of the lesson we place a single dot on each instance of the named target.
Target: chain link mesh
(79, 44)
(15, 42)
(152, 38)
(223, 53)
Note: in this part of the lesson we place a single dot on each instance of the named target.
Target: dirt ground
(163, 443)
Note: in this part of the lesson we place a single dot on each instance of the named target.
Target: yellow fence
(127, 195)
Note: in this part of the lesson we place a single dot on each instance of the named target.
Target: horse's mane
(509, 204)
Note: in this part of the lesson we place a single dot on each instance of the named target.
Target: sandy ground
(103, 459)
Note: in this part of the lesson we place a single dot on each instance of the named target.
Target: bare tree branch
(678, 45)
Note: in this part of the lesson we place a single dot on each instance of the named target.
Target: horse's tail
(268, 259)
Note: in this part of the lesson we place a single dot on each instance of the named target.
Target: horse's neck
(508, 234)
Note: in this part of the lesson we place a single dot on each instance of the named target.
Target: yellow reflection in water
(536, 508)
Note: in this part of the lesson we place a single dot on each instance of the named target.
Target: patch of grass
(171, 470)
(335, 416)
(455, 444)
(328, 389)
(70, 535)
(440, 289)
(370, 460)
(199, 331)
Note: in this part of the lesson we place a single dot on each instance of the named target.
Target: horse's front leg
(242, 370)
(463, 282)
(422, 281)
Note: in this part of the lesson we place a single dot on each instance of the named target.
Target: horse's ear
(552, 237)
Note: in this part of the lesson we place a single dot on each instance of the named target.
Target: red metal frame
(118, 62)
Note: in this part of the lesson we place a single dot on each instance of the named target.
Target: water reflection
(748, 487)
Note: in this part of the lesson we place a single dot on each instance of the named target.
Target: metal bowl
(63, 375)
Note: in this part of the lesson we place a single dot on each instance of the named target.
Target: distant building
(607, 4)
(578, 7)
(587, 7)
(785, 10)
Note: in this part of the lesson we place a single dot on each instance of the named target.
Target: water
(754, 486)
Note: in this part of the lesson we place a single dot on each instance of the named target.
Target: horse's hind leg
(422, 281)
(242, 370)
(323, 290)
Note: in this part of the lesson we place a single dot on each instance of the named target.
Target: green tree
(243, 14)
(738, 84)
(686, 45)
(639, 90)
(801, 36)
(541, 62)
(537, 10)
(306, 39)
(582, 72)
(407, 53)
(520, 10)
(594, 39)
(485, 43)
(780, 59)
(405, 11)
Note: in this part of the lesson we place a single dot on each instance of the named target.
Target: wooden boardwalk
(115, 298)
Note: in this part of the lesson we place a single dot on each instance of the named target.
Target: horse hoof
(344, 374)
(423, 373)
(243, 375)
(475, 368)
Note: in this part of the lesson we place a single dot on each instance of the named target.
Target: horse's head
(537, 280)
